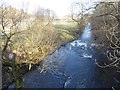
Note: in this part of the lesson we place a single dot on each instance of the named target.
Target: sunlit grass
(69, 26)
(66, 37)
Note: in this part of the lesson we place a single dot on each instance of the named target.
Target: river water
(72, 66)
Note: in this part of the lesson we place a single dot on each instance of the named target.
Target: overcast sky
(61, 7)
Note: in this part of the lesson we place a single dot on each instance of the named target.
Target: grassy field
(69, 30)
(69, 26)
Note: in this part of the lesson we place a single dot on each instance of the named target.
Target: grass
(69, 26)
(70, 30)
(66, 37)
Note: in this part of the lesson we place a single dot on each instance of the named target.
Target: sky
(60, 7)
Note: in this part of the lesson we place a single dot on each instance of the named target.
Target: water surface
(72, 66)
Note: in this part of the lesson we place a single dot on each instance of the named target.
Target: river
(72, 66)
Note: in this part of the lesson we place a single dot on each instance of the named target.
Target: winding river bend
(72, 66)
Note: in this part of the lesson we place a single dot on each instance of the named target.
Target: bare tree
(112, 28)
(10, 21)
(45, 15)
(106, 25)
(80, 12)
(37, 42)
(111, 9)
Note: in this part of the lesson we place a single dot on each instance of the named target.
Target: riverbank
(110, 71)
(72, 66)
(8, 70)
